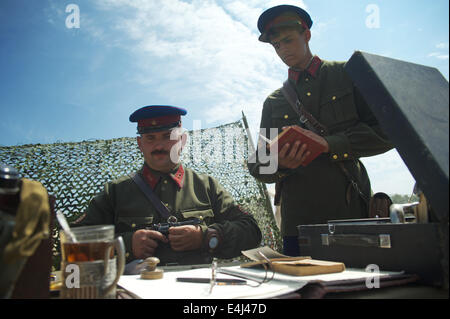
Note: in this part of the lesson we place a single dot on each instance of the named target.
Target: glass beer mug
(89, 267)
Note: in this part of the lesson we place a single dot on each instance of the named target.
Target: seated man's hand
(188, 237)
(145, 242)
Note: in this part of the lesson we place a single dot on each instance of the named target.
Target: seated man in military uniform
(219, 228)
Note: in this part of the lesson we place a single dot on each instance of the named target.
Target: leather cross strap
(306, 118)
(147, 190)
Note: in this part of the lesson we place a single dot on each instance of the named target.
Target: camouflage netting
(75, 172)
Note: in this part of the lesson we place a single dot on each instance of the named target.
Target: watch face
(213, 242)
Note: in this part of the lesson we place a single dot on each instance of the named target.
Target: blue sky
(74, 84)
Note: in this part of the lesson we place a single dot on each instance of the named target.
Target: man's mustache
(160, 152)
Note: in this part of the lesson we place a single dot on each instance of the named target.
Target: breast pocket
(338, 107)
(283, 117)
(131, 224)
(205, 214)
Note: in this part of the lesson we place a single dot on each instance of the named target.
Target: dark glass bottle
(9, 189)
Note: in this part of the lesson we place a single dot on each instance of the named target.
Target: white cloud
(200, 52)
(244, 12)
(442, 45)
(389, 174)
(443, 54)
(439, 55)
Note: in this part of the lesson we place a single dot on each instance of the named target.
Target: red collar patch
(178, 176)
(152, 180)
(312, 69)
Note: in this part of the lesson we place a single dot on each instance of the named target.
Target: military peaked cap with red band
(283, 15)
(156, 118)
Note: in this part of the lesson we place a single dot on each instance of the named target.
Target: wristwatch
(212, 240)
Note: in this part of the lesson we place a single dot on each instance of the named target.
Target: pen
(265, 139)
(219, 281)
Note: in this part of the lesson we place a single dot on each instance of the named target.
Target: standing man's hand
(145, 242)
(183, 238)
(292, 155)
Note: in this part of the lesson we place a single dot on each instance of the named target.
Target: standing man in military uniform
(335, 185)
(223, 230)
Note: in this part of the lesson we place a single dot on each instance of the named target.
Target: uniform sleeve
(100, 211)
(364, 138)
(255, 166)
(238, 229)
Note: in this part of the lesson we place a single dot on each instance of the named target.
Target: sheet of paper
(349, 273)
(169, 288)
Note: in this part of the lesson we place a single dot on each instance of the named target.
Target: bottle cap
(9, 179)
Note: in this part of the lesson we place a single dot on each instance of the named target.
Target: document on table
(169, 288)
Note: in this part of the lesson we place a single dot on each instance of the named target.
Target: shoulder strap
(306, 118)
(148, 192)
(354, 184)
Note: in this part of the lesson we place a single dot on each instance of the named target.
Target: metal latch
(358, 240)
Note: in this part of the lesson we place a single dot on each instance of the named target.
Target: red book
(290, 135)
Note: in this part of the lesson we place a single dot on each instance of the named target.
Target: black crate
(414, 248)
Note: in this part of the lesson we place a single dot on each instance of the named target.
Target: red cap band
(159, 121)
(285, 18)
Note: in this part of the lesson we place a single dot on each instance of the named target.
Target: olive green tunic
(186, 194)
(317, 193)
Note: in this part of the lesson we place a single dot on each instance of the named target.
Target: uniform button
(333, 98)
(286, 116)
(309, 93)
(307, 79)
(133, 225)
(335, 156)
(165, 181)
(345, 155)
(165, 204)
(127, 255)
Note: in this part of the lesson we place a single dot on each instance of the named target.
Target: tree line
(403, 199)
